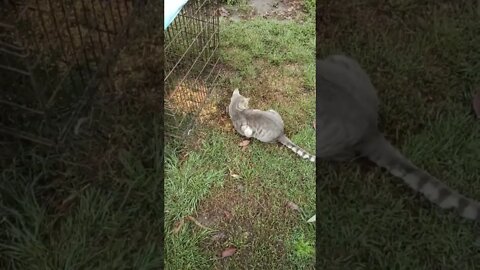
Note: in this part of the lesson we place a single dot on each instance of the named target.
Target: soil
(278, 9)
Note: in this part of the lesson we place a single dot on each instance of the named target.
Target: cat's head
(240, 101)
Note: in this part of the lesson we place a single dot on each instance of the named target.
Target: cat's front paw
(247, 131)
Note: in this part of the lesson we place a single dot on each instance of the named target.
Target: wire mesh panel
(53, 53)
(191, 69)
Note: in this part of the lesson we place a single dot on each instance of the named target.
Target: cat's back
(345, 88)
(265, 119)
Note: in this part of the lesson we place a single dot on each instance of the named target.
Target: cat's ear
(246, 103)
(236, 91)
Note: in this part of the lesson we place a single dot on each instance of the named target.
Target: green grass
(239, 194)
(423, 58)
(303, 249)
(278, 42)
(310, 6)
(96, 201)
(59, 214)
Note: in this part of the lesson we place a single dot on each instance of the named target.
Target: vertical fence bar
(191, 61)
(59, 48)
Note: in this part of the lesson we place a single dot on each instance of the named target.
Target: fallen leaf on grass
(228, 252)
(314, 125)
(244, 143)
(476, 104)
(293, 206)
(178, 226)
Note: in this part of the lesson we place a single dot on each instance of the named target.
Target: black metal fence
(191, 63)
(53, 55)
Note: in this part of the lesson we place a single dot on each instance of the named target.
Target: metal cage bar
(191, 63)
(52, 56)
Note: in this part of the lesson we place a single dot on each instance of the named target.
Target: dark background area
(423, 57)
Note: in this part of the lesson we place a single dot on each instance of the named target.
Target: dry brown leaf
(293, 206)
(476, 104)
(244, 143)
(228, 252)
(178, 226)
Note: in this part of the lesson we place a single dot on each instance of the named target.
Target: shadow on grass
(423, 58)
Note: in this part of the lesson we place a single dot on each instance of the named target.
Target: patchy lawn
(220, 195)
(423, 58)
(95, 202)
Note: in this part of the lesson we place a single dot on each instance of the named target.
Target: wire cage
(191, 63)
(53, 55)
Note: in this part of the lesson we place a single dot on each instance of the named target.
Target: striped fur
(265, 126)
(347, 115)
(380, 151)
(295, 148)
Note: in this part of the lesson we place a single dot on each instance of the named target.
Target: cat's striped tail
(387, 156)
(295, 148)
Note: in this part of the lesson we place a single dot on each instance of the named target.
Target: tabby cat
(347, 118)
(265, 126)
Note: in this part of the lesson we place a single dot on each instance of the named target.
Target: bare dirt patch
(236, 211)
(285, 9)
(214, 113)
(275, 84)
(282, 10)
(185, 98)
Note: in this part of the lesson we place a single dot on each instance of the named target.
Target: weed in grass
(303, 249)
